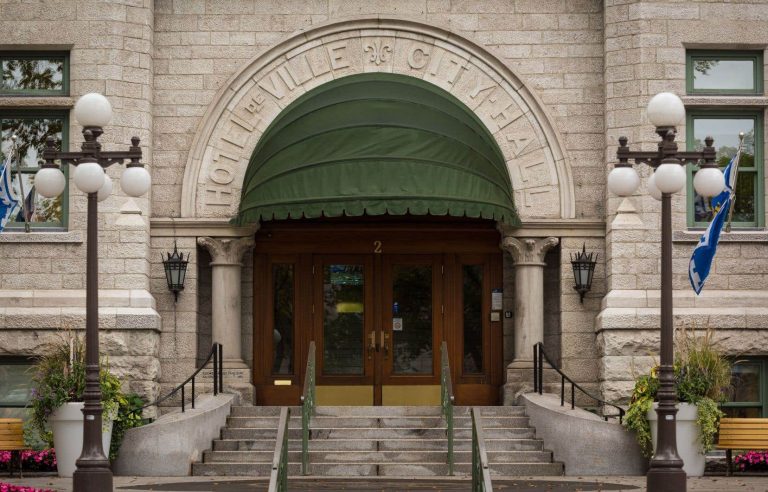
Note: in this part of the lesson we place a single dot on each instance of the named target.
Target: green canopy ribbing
(376, 144)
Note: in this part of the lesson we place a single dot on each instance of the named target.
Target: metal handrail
(278, 477)
(481, 473)
(539, 356)
(307, 407)
(218, 380)
(446, 400)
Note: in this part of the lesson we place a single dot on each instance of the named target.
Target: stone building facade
(555, 83)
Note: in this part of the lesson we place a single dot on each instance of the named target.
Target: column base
(666, 480)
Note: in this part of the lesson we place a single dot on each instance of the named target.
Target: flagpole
(23, 200)
(735, 173)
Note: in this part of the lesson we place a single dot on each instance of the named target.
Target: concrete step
(390, 469)
(378, 445)
(350, 411)
(377, 457)
(378, 434)
(376, 422)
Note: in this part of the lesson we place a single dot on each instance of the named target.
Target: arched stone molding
(246, 105)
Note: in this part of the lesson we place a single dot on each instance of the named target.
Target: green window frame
(53, 225)
(757, 169)
(694, 56)
(761, 404)
(60, 56)
(12, 387)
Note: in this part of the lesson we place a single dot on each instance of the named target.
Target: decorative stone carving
(226, 251)
(226, 297)
(252, 99)
(529, 251)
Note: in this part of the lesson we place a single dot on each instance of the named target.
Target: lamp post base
(666, 480)
(93, 479)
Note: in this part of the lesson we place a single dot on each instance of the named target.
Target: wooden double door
(378, 298)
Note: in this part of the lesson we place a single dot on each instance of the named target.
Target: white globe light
(653, 190)
(105, 190)
(135, 181)
(666, 109)
(93, 109)
(623, 181)
(670, 178)
(709, 181)
(89, 177)
(50, 182)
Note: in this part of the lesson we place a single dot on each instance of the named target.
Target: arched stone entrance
(253, 99)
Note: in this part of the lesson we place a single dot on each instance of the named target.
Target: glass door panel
(412, 347)
(282, 318)
(472, 309)
(343, 319)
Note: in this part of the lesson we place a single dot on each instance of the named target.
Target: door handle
(372, 343)
(384, 344)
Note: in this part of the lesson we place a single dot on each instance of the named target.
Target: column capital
(226, 251)
(528, 251)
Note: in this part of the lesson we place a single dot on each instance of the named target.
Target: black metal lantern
(175, 271)
(583, 268)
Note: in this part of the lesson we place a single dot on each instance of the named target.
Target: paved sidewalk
(528, 484)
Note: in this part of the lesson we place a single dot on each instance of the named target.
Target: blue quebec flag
(8, 200)
(704, 253)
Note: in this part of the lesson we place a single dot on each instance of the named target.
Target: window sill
(746, 236)
(41, 237)
(55, 102)
(720, 100)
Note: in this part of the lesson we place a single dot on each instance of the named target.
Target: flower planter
(67, 425)
(688, 438)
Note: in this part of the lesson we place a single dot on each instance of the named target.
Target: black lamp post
(583, 265)
(175, 271)
(666, 111)
(93, 112)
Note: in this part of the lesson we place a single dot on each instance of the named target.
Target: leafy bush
(702, 376)
(752, 461)
(44, 460)
(128, 417)
(9, 487)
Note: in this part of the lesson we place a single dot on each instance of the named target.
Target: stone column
(225, 294)
(528, 254)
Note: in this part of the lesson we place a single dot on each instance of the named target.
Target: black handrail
(539, 356)
(218, 380)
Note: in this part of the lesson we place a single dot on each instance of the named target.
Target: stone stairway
(383, 441)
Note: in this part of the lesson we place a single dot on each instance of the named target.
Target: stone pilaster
(226, 255)
(528, 254)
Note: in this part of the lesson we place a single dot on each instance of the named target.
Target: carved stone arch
(246, 105)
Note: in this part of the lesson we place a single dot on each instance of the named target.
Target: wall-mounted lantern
(175, 271)
(583, 265)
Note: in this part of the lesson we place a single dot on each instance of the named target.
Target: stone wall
(110, 47)
(645, 46)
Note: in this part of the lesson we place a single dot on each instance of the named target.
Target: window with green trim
(32, 128)
(15, 386)
(724, 72)
(724, 126)
(34, 74)
(749, 383)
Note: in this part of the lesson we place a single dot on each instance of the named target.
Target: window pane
(472, 295)
(20, 74)
(412, 319)
(745, 381)
(15, 384)
(31, 133)
(718, 74)
(282, 331)
(742, 412)
(725, 131)
(343, 313)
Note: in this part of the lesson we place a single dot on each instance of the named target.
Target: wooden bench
(743, 434)
(12, 439)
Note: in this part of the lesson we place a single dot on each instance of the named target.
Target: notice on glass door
(496, 299)
(397, 324)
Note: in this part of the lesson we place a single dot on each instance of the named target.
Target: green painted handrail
(307, 407)
(481, 474)
(278, 477)
(446, 400)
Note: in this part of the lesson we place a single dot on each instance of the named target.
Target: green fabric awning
(376, 144)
